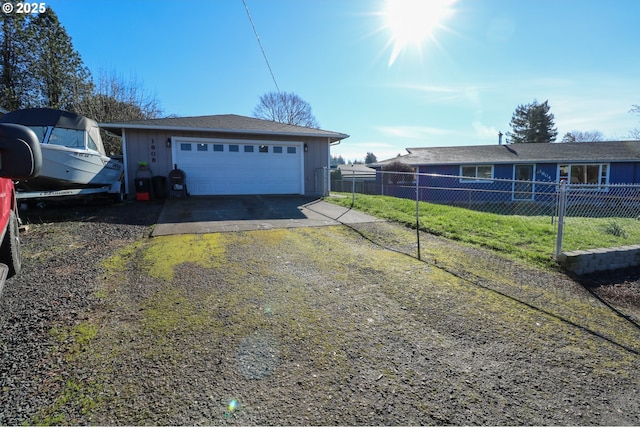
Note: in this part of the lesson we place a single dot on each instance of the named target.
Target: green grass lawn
(529, 238)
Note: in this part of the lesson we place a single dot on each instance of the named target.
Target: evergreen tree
(370, 158)
(532, 123)
(335, 161)
(14, 65)
(61, 79)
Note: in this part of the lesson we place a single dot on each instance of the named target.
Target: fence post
(418, 214)
(562, 198)
(326, 172)
(353, 187)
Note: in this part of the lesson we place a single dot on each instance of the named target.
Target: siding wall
(317, 157)
(151, 146)
(444, 190)
(623, 173)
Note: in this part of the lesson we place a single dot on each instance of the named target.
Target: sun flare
(413, 22)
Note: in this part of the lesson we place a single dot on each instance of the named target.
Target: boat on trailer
(74, 161)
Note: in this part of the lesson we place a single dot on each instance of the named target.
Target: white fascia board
(334, 136)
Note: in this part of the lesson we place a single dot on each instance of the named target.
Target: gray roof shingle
(229, 123)
(605, 151)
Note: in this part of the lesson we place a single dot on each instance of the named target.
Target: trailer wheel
(119, 196)
(10, 249)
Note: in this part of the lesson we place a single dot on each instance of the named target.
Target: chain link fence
(580, 216)
(599, 216)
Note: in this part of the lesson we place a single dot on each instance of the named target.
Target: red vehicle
(20, 158)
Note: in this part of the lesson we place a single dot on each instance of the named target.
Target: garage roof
(227, 123)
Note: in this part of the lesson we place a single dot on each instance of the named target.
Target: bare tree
(117, 100)
(635, 133)
(579, 136)
(285, 107)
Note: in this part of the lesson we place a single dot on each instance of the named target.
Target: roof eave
(520, 161)
(332, 136)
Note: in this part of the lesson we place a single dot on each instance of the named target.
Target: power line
(261, 47)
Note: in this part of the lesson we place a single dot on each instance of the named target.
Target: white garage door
(240, 167)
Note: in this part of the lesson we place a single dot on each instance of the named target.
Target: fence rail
(585, 216)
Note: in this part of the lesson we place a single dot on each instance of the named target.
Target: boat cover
(56, 118)
(48, 117)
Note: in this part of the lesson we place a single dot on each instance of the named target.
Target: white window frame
(476, 178)
(600, 186)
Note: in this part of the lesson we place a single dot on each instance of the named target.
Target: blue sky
(459, 86)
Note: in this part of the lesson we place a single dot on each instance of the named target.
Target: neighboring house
(229, 154)
(596, 164)
(359, 171)
(358, 176)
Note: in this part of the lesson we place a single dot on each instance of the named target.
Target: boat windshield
(40, 131)
(72, 138)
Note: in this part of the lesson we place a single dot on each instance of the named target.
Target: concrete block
(589, 261)
(617, 266)
(569, 259)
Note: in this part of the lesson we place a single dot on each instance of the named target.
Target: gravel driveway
(328, 325)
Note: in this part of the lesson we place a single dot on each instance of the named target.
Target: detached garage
(230, 154)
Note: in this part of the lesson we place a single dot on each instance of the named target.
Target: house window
(596, 175)
(203, 147)
(263, 149)
(185, 147)
(476, 173)
(248, 148)
(291, 150)
(218, 147)
(233, 148)
(277, 150)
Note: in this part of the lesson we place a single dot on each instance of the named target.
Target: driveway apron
(216, 214)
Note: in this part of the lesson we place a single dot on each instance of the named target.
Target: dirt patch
(329, 325)
(621, 287)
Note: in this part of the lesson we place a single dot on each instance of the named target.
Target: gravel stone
(366, 343)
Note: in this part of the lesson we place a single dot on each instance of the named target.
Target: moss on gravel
(318, 326)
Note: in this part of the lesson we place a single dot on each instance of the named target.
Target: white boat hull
(73, 154)
(64, 167)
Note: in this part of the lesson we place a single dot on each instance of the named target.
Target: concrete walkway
(199, 215)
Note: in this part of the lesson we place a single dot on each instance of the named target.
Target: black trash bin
(159, 184)
(178, 183)
(143, 187)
